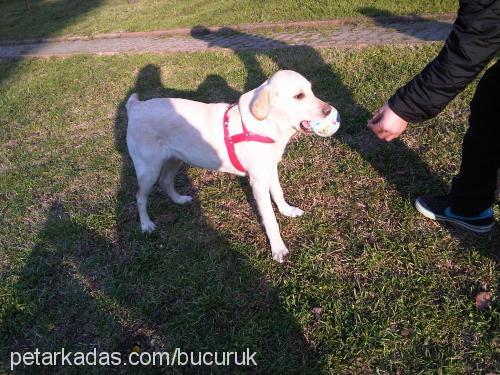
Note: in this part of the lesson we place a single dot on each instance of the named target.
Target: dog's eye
(299, 96)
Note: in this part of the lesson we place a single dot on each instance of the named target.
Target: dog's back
(174, 127)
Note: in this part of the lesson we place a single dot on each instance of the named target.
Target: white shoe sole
(430, 215)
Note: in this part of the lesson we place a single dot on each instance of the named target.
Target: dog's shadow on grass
(400, 166)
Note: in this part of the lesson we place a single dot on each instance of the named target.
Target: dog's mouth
(305, 127)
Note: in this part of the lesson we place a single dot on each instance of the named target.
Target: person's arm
(472, 43)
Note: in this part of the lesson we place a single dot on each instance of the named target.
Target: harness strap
(244, 136)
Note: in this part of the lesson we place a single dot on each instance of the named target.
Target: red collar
(244, 136)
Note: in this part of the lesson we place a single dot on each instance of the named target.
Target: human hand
(386, 124)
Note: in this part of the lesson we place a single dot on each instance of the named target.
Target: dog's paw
(183, 199)
(280, 255)
(148, 227)
(291, 211)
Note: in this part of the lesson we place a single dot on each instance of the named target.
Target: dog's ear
(260, 103)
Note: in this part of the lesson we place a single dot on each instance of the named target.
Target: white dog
(247, 138)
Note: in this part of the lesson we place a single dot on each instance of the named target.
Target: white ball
(327, 126)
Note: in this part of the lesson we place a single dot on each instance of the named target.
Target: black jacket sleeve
(472, 43)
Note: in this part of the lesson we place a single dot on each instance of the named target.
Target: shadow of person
(410, 176)
(61, 295)
(213, 89)
(429, 29)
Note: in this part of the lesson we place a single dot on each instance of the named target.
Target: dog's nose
(326, 110)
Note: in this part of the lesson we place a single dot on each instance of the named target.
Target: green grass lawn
(88, 17)
(395, 291)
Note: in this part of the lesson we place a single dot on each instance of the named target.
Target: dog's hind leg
(146, 177)
(167, 180)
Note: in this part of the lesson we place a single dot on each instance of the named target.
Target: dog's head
(286, 99)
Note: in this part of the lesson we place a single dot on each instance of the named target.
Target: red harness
(244, 136)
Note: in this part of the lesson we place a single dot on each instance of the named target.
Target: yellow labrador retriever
(246, 138)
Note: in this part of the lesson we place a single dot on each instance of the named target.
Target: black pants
(473, 190)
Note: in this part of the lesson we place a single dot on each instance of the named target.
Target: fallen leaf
(406, 332)
(495, 342)
(483, 300)
(317, 311)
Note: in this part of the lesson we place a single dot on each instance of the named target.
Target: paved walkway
(387, 33)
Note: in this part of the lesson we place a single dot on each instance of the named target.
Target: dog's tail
(134, 98)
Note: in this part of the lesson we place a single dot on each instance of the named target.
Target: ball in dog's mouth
(325, 127)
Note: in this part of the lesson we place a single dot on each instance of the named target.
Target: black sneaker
(439, 208)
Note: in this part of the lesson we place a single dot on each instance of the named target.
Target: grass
(396, 291)
(63, 17)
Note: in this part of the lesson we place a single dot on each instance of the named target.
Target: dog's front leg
(260, 188)
(279, 199)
